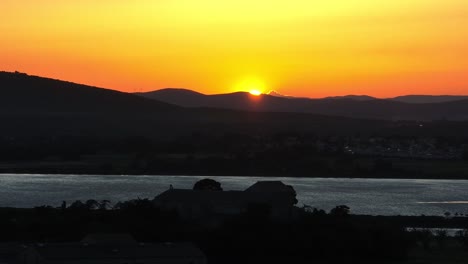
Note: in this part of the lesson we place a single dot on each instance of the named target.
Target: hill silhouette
(184, 97)
(353, 97)
(427, 99)
(348, 106)
(411, 99)
(21, 93)
(32, 107)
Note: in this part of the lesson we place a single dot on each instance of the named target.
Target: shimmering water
(364, 196)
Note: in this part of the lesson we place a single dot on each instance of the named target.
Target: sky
(307, 48)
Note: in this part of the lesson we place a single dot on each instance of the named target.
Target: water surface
(364, 196)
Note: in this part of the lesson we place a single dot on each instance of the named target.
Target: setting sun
(392, 47)
(253, 85)
(255, 92)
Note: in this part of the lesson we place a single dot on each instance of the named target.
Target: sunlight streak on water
(445, 202)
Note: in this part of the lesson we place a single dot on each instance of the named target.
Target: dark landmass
(439, 108)
(251, 237)
(425, 99)
(20, 93)
(51, 126)
(287, 155)
(353, 97)
(263, 226)
(411, 99)
(34, 106)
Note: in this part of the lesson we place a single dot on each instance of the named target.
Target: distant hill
(347, 106)
(274, 93)
(236, 101)
(184, 97)
(353, 97)
(410, 99)
(425, 99)
(21, 93)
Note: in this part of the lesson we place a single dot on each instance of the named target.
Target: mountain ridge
(21, 93)
(409, 98)
(422, 99)
(348, 106)
(35, 109)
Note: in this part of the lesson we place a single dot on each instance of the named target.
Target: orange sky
(296, 47)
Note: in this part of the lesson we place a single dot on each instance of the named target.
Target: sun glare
(255, 92)
(252, 85)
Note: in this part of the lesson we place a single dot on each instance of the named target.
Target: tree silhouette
(207, 185)
(78, 205)
(92, 204)
(104, 204)
(294, 194)
(340, 210)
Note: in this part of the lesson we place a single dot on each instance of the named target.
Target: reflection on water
(445, 202)
(364, 196)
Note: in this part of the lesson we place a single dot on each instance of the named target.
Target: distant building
(202, 204)
(111, 249)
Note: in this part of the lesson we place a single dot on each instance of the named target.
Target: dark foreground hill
(370, 108)
(21, 93)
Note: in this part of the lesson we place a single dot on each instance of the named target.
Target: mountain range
(33, 107)
(412, 99)
(424, 99)
(412, 107)
(36, 107)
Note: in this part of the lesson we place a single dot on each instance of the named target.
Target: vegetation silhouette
(207, 185)
(340, 210)
(249, 237)
(252, 235)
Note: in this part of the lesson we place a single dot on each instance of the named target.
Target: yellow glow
(255, 92)
(296, 47)
(252, 85)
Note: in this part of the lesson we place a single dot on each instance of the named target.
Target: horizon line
(278, 94)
